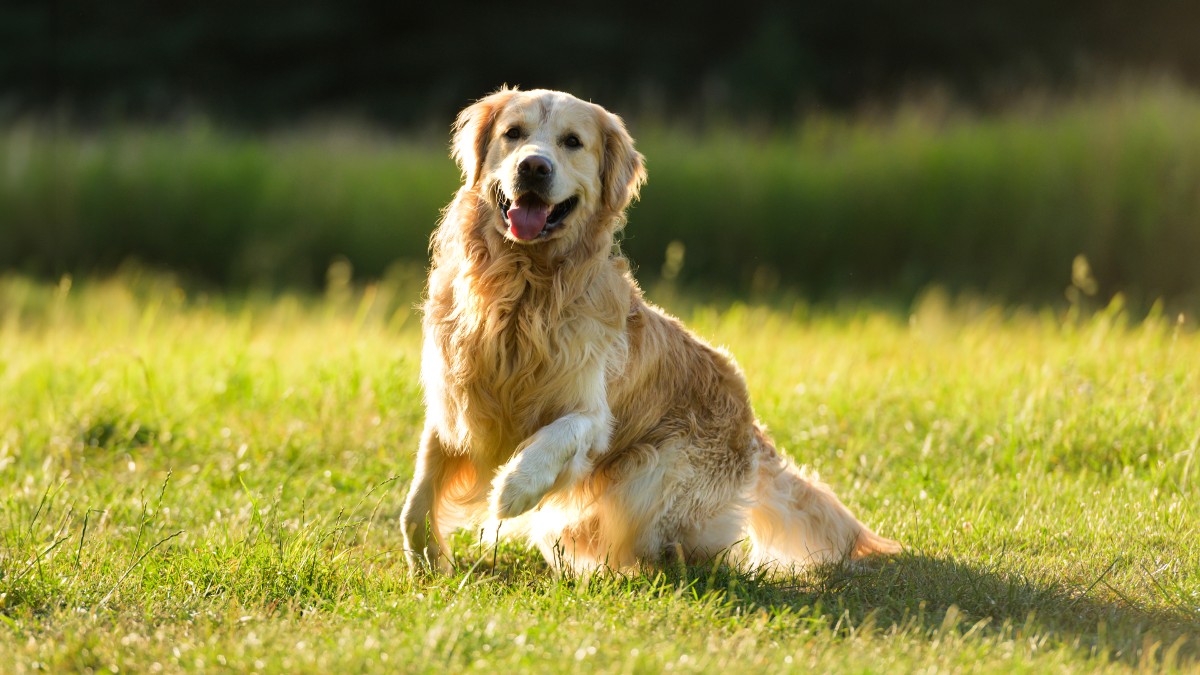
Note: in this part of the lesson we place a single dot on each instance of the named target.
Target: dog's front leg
(552, 458)
(422, 545)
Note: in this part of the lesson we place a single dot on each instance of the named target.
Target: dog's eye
(513, 133)
(572, 141)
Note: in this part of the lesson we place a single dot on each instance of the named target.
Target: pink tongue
(528, 217)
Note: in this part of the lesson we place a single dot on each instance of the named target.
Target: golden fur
(561, 402)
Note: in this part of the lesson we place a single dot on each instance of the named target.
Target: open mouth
(529, 218)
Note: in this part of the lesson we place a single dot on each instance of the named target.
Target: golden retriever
(562, 403)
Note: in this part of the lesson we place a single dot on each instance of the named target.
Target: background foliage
(413, 63)
(1001, 205)
(246, 144)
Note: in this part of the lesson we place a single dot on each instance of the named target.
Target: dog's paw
(421, 548)
(518, 487)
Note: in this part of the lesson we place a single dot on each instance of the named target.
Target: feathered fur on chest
(520, 346)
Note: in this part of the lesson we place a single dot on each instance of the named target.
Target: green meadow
(212, 481)
(870, 205)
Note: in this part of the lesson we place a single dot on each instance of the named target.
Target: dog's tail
(796, 520)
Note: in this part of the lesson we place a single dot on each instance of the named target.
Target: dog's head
(549, 164)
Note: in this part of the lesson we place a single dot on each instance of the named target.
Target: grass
(196, 482)
(877, 204)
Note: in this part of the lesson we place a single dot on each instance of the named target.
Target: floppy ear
(622, 170)
(473, 129)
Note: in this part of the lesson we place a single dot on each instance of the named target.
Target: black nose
(535, 166)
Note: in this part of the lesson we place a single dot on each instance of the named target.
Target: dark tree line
(404, 63)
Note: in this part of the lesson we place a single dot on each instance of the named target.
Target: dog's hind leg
(795, 519)
(423, 543)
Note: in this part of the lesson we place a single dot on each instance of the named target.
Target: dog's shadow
(926, 595)
(933, 595)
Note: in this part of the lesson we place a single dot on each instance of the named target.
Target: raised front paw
(519, 487)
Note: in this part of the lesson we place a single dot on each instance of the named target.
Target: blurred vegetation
(1003, 205)
(404, 64)
(257, 144)
(218, 207)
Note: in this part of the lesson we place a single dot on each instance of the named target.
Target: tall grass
(1001, 205)
(224, 207)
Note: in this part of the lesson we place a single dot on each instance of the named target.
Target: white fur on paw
(517, 489)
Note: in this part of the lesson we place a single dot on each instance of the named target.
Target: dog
(563, 406)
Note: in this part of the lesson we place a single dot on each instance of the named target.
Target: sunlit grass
(213, 481)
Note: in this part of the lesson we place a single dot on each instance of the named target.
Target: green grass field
(196, 482)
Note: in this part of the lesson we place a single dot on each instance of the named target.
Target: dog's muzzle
(530, 217)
